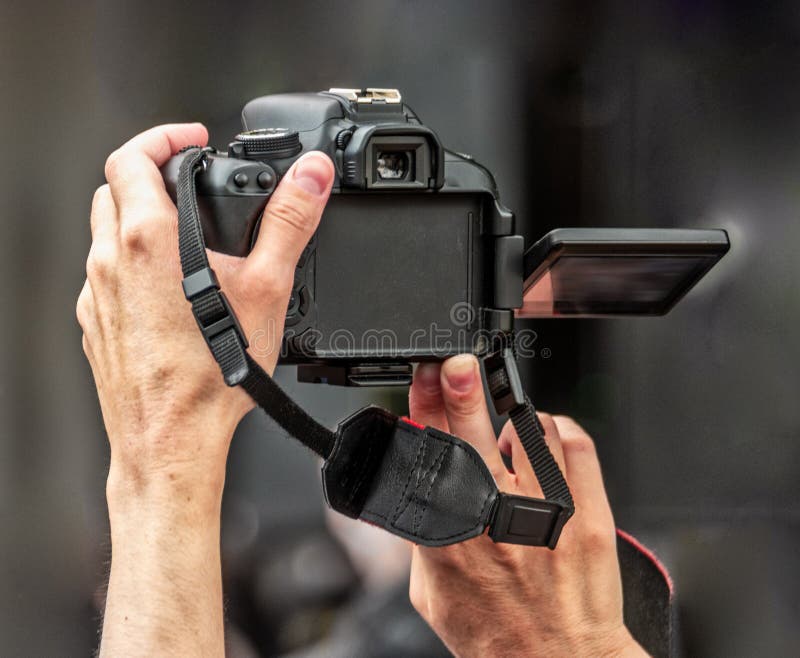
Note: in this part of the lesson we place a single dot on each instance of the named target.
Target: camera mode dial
(265, 143)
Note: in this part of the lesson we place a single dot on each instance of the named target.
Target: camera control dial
(265, 143)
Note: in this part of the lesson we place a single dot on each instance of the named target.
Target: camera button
(241, 179)
(305, 300)
(299, 302)
(265, 180)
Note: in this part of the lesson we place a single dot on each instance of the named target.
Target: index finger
(132, 170)
(162, 142)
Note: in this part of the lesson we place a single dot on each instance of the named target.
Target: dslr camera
(415, 258)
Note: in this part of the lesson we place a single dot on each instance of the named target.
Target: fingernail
(427, 377)
(313, 172)
(460, 372)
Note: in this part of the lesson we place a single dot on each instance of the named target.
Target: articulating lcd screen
(644, 284)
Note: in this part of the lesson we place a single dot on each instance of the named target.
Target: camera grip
(229, 222)
(231, 195)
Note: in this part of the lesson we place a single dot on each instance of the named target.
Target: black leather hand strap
(428, 486)
(417, 482)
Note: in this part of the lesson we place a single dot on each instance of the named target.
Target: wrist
(619, 644)
(601, 642)
(141, 489)
(630, 648)
(175, 452)
(164, 471)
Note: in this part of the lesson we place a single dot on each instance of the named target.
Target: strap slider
(503, 380)
(528, 521)
(227, 321)
(199, 282)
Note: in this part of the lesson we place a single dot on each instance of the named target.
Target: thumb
(259, 285)
(291, 217)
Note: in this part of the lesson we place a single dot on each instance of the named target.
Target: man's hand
(487, 599)
(155, 376)
(167, 411)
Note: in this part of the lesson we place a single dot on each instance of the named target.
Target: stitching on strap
(418, 476)
(396, 513)
(439, 461)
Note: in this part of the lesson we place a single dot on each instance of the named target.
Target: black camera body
(415, 257)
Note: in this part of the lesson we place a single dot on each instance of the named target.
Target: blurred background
(676, 114)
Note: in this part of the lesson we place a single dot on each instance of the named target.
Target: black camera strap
(414, 481)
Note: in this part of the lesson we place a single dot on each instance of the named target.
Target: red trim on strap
(650, 556)
(413, 423)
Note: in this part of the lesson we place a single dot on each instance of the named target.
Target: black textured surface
(446, 491)
(350, 470)
(269, 143)
(285, 412)
(422, 484)
(648, 598)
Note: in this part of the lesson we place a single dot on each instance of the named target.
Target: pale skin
(487, 599)
(170, 418)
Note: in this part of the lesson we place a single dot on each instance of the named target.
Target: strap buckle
(199, 283)
(527, 521)
(503, 380)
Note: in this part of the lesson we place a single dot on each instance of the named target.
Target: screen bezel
(624, 243)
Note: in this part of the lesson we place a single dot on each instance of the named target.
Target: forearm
(165, 590)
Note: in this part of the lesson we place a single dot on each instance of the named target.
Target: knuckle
(464, 405)
(567, 425)
(506, 555)
(425, 410)
(424, 401)
(82, 309)
(112, 166)
(292, 213)
(100, 262)
(599, 539)
(424, 612)
(549, 425)
(450, 559)
(436, 617)
(100, 194)
(135, 230)
(416, 595)
(578, 443)
(95, 270)
(509, 431)
(87, 348)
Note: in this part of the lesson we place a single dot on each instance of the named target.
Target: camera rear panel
(392, 276)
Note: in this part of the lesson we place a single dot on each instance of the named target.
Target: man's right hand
(168, 413)
(156, 378)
